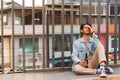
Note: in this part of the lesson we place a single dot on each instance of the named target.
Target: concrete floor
(66, 75)
(55, 75)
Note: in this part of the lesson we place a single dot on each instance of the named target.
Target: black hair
(82, 26)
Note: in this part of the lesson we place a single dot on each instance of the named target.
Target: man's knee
(78, 69)
(100, 46)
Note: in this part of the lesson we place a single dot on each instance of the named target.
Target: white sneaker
(108, 70)
(102, 71)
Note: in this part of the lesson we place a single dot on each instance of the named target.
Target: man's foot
(108, 70)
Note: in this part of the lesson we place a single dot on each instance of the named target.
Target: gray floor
(55, 75)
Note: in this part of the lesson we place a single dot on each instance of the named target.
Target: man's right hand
(83, 63)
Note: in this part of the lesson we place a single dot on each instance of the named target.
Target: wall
(6, 51)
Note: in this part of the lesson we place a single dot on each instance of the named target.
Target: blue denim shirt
(79, 48)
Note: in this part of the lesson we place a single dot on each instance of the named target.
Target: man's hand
(83, 63)
(91, 31)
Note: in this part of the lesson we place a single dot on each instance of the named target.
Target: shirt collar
(91, 40)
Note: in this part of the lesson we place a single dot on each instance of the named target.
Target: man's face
(86, 30)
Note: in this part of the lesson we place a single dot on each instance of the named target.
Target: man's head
(85, 29)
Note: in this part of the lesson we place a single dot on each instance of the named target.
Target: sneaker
(10, 71)
(108, 70)
(101, 69)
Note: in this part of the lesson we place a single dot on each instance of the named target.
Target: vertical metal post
(89, 19)
(23, 37)
(43, 37)
(115, 32)
(53, 34)
(2, 37)
(71, 19)
(119, 36)
(47, 39)
(107, 29)
(33, 36)
(81, 11)
(13, 54)
(62, 22)
(98, 17)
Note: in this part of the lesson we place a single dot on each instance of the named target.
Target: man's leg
(81, 70)
(101, 53)
(98, 57)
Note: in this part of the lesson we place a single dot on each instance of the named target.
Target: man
(88, 53)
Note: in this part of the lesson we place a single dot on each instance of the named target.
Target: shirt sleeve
(96, 39)
(75, 54)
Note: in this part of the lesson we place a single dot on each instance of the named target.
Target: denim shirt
(79, 48)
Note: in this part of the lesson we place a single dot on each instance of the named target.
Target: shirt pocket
(93, 48)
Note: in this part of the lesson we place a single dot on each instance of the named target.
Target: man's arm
(75, 54)
(96, 38)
